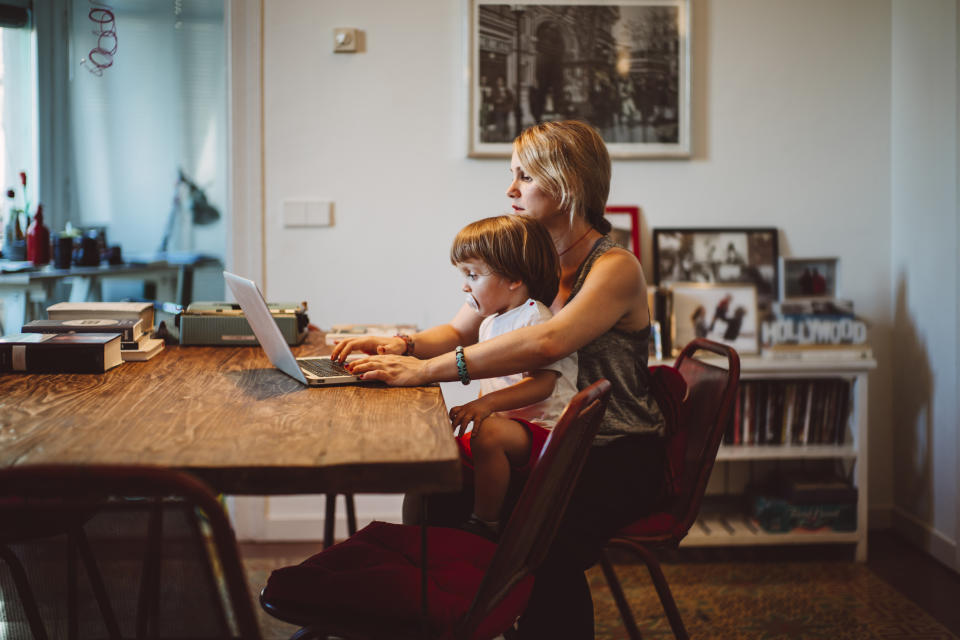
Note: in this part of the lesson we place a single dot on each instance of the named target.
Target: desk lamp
(203, 212)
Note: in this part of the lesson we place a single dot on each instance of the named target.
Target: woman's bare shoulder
(618, 263)
(617, 275)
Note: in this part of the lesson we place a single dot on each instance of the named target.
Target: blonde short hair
(515, 247)
(570, 160)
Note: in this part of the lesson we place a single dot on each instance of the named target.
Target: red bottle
(38, 240)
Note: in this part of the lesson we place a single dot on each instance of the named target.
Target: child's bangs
(470, 245)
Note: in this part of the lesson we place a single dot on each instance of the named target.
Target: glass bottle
(38, 239)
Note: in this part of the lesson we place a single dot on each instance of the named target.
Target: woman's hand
(475, 412)
(396, 371)
(371, 345)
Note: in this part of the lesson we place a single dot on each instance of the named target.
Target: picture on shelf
(718, 255)
(725, 313)
(808, 277)
(834, 307)
(626, 227)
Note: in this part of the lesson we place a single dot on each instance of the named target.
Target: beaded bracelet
(462, 366)
(408, 341)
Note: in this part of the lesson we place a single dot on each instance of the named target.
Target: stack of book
(790, 412)
(133, 320)
(60, 352)
(792, 501)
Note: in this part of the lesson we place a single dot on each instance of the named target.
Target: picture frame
(725, 313)
(530, 63)
(809, 278)
(724, 255)
(625, 221)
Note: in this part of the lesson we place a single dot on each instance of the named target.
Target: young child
(512, 274)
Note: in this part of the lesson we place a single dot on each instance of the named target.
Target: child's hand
(370, 345)
(475, 412)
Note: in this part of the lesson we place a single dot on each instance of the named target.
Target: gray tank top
(620, 357)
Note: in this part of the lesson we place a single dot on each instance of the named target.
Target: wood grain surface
(227, 415)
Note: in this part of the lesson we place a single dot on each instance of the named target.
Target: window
(18, 113)
(148, 123)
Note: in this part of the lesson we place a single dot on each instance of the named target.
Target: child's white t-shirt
(546, 412)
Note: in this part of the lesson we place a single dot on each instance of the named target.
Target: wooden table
(228, 416)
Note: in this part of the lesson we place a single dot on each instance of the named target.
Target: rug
(733, 601)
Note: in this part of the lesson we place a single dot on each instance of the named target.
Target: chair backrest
(527, 537)
(712, 389)
(149, 552)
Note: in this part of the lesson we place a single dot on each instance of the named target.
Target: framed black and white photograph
(724, 313)
(626, 227)
(719, 255)
(808, 278)
(622, 66)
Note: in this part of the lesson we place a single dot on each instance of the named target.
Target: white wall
(792, 128)
(925, 273)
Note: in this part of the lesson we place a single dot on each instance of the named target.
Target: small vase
(38, 240)
(14, 246)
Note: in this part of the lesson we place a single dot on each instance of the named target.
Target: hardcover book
(115, 310)
(129, 330)
(59, 352)
(145, 349)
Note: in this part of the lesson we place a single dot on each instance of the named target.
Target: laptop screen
(264, 326)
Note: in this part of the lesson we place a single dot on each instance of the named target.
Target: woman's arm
(614, 293)
(463, 329)
(534, 387)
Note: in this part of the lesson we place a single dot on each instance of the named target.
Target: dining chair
(371, 585)
(692, 444)
(117, 551)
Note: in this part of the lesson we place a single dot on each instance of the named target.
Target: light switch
(345, 40)
(307, 213)
(294, 213)
(320, 214)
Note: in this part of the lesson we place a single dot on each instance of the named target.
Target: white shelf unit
(736, 528)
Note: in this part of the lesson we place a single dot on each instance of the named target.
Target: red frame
(634, 213)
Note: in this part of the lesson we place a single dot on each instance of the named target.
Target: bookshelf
(724, 520)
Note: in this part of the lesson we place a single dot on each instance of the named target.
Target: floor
(915, 574)
(934, 587)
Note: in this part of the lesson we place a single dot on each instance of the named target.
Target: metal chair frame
(711, 393)
(66, 489)
(523, 545)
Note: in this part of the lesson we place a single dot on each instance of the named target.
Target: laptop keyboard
(323, 368)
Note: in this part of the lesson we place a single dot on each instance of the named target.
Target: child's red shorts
(538, 437)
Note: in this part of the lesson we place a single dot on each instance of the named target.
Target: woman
(561, 177)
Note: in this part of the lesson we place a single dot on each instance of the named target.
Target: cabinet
(724, 520)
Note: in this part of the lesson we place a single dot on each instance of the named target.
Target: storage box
(223, 323)
(776, 515)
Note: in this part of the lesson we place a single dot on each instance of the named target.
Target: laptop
(317, 371)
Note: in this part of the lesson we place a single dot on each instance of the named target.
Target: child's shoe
(480, 528)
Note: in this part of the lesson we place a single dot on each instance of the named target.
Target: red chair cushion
(653, 526)
(376, 572)
(669, 389)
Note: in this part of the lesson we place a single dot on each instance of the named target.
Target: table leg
(330, 513)
(185, 285)
(351, 513)
(424, 611)
(14, 311)
(80, 288)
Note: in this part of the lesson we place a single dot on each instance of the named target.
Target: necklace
(575, 243)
